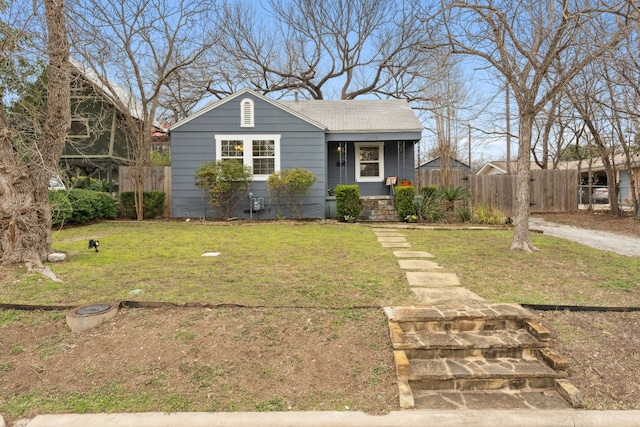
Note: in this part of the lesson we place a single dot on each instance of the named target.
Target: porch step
(378, 208)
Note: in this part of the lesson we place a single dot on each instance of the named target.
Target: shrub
(153, 202)
(452, 193)
(405, 196)
(429, 208)
(108, 208)
(90, 183)
(83, 204)
(79, 206)
(160, 159)
(449, 195)
(348, 202)
(291, 185)
(224, 183)
(429, 190)
(60, 207)
(488, 216)
(464, 213)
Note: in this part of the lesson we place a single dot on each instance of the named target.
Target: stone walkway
(427, 282)
(454, 350)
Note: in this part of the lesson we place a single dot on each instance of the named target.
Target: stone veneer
(378, 208)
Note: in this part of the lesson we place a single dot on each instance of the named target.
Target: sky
(485, 115)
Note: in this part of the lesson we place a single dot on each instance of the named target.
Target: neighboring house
(626, 177)
(436, 164)
(342, 142)
(500, 168)
(98, 143)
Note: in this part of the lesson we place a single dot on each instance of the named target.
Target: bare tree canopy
(538, 46)
(139, 45)
(324, 49)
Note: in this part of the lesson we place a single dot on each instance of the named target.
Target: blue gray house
(359, 142)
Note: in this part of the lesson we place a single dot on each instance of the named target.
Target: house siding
(193, 143)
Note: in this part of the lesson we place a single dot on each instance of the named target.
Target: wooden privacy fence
(158, 179)
(549, 190)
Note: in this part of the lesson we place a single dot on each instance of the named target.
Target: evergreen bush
(348, 202)
(153, 204)
(224, 183)
(291, 185)
(60, 207)
(405, 196)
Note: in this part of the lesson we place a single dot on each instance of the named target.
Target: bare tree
(584, 93)
(624, 97)
(443, 98)
(554, 131)
(135, 48)
(323, 49)
(27, 161)
(537, 47)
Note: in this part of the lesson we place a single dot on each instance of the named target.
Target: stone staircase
(378, 208)
(488, 356)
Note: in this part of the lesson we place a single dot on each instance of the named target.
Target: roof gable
(217, 103)
(436, 162)
(116, 93)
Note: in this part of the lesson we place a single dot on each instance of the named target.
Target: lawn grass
(313, 264)
(562, 272)
(276, 265)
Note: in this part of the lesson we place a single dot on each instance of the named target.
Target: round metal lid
(93, 309)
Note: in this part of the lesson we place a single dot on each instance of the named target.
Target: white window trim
(86, 126)
(247, 158)
(380, 146)
(249, 123)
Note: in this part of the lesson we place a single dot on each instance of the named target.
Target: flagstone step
(479, 356)
(444, 314)
(483, 317)
(501, 343)
(477, 373)
(545, 399)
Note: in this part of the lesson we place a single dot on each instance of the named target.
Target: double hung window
(369, 161)
(260, 152)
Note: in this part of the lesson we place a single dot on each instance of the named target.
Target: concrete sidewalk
(535, 418)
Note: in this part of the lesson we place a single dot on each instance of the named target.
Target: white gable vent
(246, 113)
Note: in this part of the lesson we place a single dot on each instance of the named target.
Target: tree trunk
(25, 215)
(521, 239)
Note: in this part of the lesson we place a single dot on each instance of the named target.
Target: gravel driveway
(623, 245)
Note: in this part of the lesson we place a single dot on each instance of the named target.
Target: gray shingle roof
(378, 115)
(352, 116)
